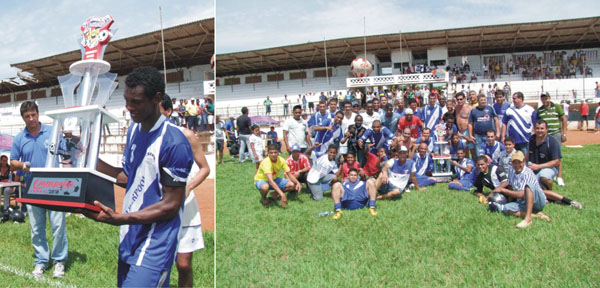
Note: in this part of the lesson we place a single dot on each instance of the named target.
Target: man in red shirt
(299, 164)
(413, 122)
(585, 111)
(373, 165)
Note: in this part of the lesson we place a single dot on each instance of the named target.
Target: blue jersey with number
(151, 160)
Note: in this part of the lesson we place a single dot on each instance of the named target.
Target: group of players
(384, 152)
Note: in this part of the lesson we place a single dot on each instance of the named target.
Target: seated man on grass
(490, 176)
(464, 171)
(352, 194)
(393, 182)
(272, 166)
(527, 191)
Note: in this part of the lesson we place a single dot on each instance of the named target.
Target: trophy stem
(95, 141)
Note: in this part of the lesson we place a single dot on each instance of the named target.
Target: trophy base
(68, 189)
(442, 177)
(78, 68)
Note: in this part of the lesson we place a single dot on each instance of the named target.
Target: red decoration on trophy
(96, 34)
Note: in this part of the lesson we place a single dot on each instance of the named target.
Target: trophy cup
(70, 183)
(441, 155)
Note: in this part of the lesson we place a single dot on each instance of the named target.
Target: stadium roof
(504, 38)
(186, 45)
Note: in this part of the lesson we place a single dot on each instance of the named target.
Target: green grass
(93, 257)
(430, 238)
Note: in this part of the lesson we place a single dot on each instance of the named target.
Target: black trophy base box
(68, 189)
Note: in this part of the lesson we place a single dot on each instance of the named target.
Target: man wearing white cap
(413, 122)
(527, 191)
(395, 175)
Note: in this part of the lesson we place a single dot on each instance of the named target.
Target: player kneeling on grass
(424, 166)
(490, 176)
(395, 174)
(353, 194)
(464, 171)
(527, 191)
(270, 167)
(321, 172)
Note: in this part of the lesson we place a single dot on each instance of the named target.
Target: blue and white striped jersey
(519, 122)
(152, 159)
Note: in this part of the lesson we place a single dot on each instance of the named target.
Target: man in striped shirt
(526, 189)
(298, 163)
(518, 122)
(554, 115)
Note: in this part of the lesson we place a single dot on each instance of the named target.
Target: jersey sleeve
(176, 159)
(366, 135)
(501, 174)
(387, 133)
(286, 125)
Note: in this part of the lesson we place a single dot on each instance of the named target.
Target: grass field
(93, 251)
(431, 238)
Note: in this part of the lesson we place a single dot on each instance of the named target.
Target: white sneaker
(577, 205)
(560, 181)
(59, 270)
(38, 271)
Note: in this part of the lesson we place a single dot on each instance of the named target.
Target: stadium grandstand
(559, 57)
(188, 51)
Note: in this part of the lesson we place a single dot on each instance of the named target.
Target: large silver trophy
(441, 155)
(70, 181)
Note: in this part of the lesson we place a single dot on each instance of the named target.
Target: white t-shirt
(297, 130)
(345, 123)
(566, 109)
(285, 101)
(259, 144)
(321, 168)
(368, 120)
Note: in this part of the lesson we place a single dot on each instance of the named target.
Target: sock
(337, 206)
(372, 203)
(566, 200)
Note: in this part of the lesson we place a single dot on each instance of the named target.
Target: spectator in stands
(267, 104)
(106, 127)
(182, 113)
(175, 115)
(272, 138)
(220, 138)
(597, 118)
(286, 104)
(304, 104)
(243, 124)
(518, 122)
(192, 111)
(127, 118)
(202, 119)
(210, 111)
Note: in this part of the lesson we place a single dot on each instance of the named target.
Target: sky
(251, 25)
(31, 30)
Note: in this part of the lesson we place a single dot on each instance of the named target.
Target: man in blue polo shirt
(481, 119)
(29, 149)
(156, 162)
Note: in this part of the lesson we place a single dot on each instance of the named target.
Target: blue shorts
(138, 276)
(547, 173)
(389, 187)
(539, 201)
(354, 204)
(469, 145)
(281, 183)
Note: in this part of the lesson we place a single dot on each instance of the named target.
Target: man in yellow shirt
(192, 110)
(269, 177)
